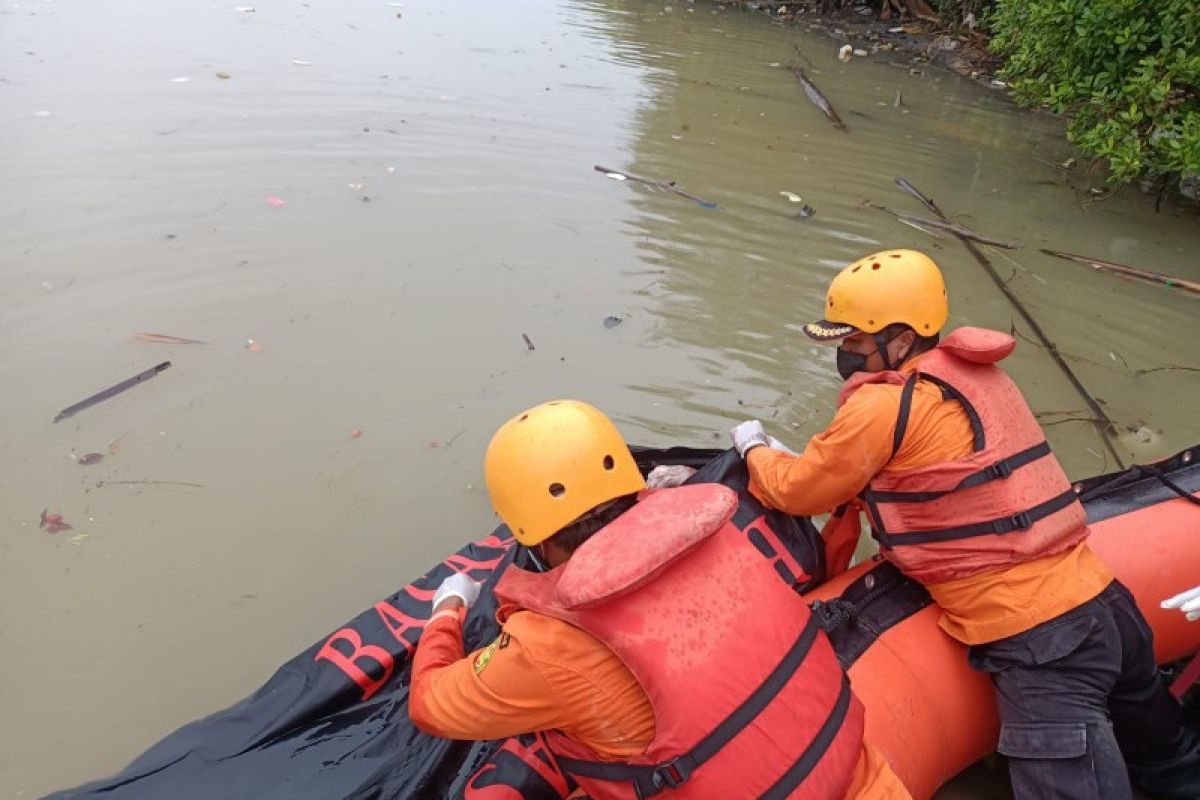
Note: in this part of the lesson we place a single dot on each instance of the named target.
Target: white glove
(1188, 602)
(460, 586)
(668, 476)
(747, 435)
(775, 444)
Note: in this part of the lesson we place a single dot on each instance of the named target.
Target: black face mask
(849, 363)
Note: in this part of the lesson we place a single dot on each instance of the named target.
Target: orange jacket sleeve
(837, 463)
(448, 695)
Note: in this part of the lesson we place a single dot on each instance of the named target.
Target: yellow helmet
(554, 463)
(880, 290)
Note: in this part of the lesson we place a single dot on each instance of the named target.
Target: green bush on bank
(1127, 70)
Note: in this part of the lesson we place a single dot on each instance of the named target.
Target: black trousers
(1080, 697)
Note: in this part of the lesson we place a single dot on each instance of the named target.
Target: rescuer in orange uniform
(936, 445)
(659, 650)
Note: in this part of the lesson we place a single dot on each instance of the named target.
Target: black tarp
(313, 733)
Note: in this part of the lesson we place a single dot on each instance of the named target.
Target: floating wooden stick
(111, 391)
(819, 100)
(150, 483)
(163, 338)
(1129, 272)
(663, 185)
(1108, 430)
(957, 230)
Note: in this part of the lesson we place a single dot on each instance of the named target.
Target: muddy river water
(364, 337)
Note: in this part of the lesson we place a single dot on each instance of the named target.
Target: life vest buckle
(1001, 469)
(1020, 522)
(672, 774)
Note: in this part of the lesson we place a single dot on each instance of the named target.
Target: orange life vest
(1007, 503)
(748, 697)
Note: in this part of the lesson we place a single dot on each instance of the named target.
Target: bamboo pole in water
(1129, 272)
(1103, 423)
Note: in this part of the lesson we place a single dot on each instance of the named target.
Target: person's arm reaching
(452, 697)
(837, 463)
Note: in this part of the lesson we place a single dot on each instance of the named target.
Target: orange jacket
(839, 462)
(558, 678)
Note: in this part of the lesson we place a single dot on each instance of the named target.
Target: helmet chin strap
(881, 347)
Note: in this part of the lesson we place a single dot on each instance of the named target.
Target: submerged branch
(663, 185)
(819, 100)
(1107, 429)
(1129, 272)
(957, 230)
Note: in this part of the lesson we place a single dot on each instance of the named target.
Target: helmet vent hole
(523, 418)
(557, 490)
(870, 322)
(875, 265)
(926, 326)
(609, 463)
(856, 269)
(831, 302)
(894, 255)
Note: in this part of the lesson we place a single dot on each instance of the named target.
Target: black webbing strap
(1000, 469)
(816, 749)
(948, 391)
(906, 396)
(1001, 525)
(650, 779)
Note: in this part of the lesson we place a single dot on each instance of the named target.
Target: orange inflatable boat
(333, 721)
(928, 712)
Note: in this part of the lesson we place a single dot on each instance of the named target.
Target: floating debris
(957, 230)
(1129, 272)
(150, 483)
(163, 338)
(43, 114)
(358, 187)
(244, 9)
(53, 523)
(355, 433)
(845, 53)
(224, 76)
(111, 391)
(87, 459)
(276, 202)
(792, 197)
(528, 341)
(612, 322)
(668, 186)
(301, 63)
(818, 99)
(180, 80)
(253, 346)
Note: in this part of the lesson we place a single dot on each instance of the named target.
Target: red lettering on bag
(348, 663)
(398, 623)
(533, 757)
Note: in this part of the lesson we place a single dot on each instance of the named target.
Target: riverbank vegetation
(1127, 73)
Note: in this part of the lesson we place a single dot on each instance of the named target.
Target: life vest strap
(994, 471)
(1002, 525)
(650, 779)
(816, 749)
